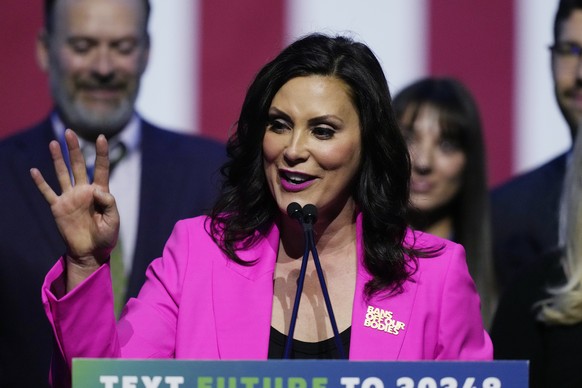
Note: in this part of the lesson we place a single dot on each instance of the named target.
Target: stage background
(205, 53)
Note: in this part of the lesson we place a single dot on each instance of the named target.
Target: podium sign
(114, 373)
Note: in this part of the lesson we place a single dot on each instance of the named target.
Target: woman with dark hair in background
(316, 128)
(449, 196)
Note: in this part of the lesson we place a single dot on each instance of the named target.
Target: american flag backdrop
(205, 53)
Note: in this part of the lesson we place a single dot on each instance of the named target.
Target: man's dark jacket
(179, 179)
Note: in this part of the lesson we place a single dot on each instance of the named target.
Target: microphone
(307, 216)
(294, 211)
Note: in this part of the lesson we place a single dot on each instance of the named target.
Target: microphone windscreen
(294, 210)
(309, 213)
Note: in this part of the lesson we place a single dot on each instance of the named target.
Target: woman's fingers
(78, 166)
(47, 192)
(60, 166)
(101, 173)
(110, 215)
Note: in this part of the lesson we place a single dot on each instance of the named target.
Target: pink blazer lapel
(379, 325)
(243, 298)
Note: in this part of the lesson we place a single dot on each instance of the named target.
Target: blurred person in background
(525, 209)
(95, 53)
(448, 192)
(540, 315)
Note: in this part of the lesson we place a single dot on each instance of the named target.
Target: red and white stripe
(205, 53)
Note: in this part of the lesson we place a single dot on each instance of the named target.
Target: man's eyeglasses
(566, 50)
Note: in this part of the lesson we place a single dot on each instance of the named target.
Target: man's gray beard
(88, 124)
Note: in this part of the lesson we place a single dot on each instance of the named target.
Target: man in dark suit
(95, 52)
(525, 210)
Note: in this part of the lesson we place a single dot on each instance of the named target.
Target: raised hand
(85, 213)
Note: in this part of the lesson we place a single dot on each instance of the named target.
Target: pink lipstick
(295, 181)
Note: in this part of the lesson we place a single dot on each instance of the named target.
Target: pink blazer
(197, 304)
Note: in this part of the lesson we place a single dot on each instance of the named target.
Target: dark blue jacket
(179, 179)
(525, 214)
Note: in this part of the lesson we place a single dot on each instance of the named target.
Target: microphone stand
(307, 217)
(338, 342)
(300, 281)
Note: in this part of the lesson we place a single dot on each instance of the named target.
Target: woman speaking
(316, 128)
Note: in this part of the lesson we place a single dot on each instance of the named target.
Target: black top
(325, 349)
(554, 351)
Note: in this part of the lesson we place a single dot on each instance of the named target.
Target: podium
(116, 373)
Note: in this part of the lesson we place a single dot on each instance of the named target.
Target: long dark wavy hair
(246, 207)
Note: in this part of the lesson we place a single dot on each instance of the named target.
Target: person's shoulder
(26, 144)
(181, 140)
(431, 247)
(196, 223)
(436, 257)
(39, 132)
(540, 178)
(196, 230)
(422, 240)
